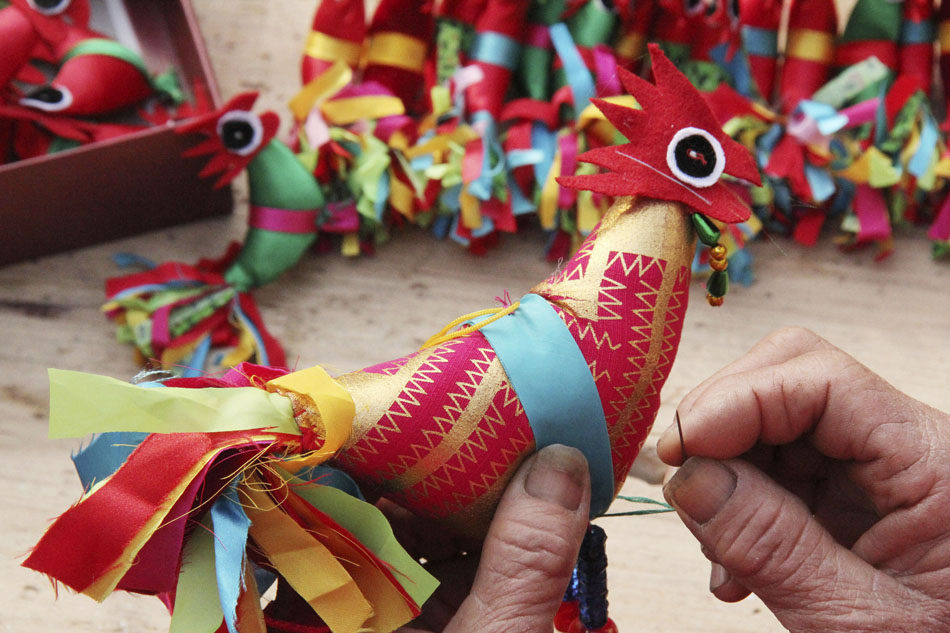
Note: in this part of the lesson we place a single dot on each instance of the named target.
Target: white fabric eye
(49, 7)
(50, 98)
(695, 156)
(240, 131)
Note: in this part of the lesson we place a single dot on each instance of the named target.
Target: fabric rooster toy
(216, 480)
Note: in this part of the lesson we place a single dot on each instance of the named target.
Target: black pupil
(695, 156)
(237, 134)
(47, 95)
(692, 5)
(49, 4)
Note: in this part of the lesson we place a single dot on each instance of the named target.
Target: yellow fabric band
(330, 49)
(809, 45)
(330, 401)
(397, 50)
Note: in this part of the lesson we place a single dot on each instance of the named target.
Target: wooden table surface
(894, 316)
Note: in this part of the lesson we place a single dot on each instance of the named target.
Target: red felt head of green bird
(52, 18)
(235, 136)
(677, 149)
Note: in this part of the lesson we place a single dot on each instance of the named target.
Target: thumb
(763, 539)
(531, 547)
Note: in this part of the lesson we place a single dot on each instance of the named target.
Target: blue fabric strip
(555, 386)
(759, 41)
(104, 455)
(929, 135)
(494, 48)
(230, 539)
(820, 181)
(917, 32)
(579, 78)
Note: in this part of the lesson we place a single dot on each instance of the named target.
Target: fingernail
(718, 576)
(558, 474)
(700, 488)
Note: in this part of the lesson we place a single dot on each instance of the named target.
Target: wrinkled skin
(816, 485)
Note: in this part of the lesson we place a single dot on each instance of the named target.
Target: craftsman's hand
(819, 487)
(517, 582)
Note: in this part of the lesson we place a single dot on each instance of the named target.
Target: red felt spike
(207, 146)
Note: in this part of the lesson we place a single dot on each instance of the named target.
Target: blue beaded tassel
(586, 596)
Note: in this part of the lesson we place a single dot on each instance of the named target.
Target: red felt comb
(677, 149)
(235, 136)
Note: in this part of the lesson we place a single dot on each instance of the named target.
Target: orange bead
(719, 264)
(714, 301)
(717, 252)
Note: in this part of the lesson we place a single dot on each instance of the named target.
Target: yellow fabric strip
(547, 208)
(373, 530)
(81, 404)
(588, 215)
(402, 197)
(470, 214)
(352, 109)
(461, 135)
(310, 568)
(390, 608)
(329, 48)
(943, 36)
(351, 245)
(330, 401)
(631, 45)
(320, 88)
(397, 50)
(809, 45)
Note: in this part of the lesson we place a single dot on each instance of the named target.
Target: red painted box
(127, 185)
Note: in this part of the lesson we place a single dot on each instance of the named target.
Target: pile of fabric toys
(459, 117)
(63, 84)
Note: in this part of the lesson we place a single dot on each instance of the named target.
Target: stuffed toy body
(580, 360)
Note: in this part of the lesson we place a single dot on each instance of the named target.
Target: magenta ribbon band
(282, 220)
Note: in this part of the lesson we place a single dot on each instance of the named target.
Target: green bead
(718, 284)
(707, 231)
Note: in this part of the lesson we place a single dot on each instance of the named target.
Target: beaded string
(718, 283)
(584, 609)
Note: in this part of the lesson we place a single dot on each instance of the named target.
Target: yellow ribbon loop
(320, 88)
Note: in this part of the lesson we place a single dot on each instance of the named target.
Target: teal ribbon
(497, 49)
(759, 41)
(554, 384)
(579, 78)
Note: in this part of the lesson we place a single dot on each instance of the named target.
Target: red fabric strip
(283, 220)
(847, 54)
(74, 555)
